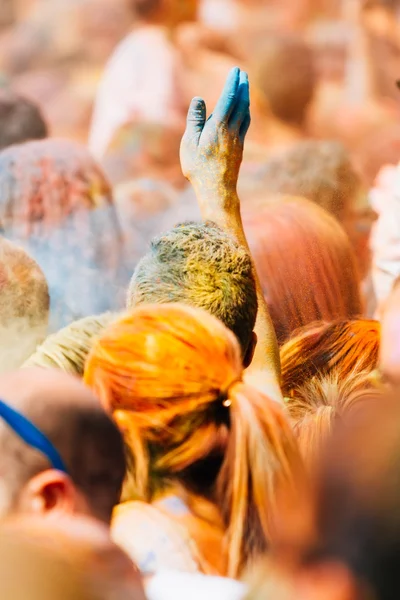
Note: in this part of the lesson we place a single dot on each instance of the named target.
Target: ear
(51, 492)
(248, 357)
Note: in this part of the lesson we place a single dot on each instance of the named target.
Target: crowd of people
(200, 282)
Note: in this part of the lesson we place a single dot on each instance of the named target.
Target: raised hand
(212, 149)
(211, 155)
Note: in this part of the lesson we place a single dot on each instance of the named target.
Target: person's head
(81, 467)
(305, 263)
(172, 376)
(285, 76)
(85, 544)
(317, 405)
(144, 151)
(380, 17)
(57, 203)
(344, 347)
(27, 570)
(350, 547)
(24, 305)
(200, 265)
(44, 182)
(321, 171)
(68, 349)
(20, 120)
(170, 12)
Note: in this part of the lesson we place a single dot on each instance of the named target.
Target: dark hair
(286, 76)
(319, 171)
(20, 120)
(200, 265)
(388, 4)
(145, 8)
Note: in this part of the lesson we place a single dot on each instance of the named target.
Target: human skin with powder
(211, 156)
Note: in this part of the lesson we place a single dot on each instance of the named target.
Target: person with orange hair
(208, 454)
(305, 262)
(341, 346)
(316, 406)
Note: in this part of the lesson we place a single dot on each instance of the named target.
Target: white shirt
(140, 82)
(171, 585)
(385, 241)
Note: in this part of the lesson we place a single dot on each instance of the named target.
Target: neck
(198, 506)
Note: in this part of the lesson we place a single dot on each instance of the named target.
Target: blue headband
(31, 435)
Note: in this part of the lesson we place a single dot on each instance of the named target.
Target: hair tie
(223, 397)
(31, 435)
(221, 405)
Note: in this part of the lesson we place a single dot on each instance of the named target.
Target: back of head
(86, 545)
(320, 171)
(46, 181)
(71, 417)
(24, 305)
(58, 204)
(27, 570)
(172, 376)
(344, 347)
(20, 120)
(285, 75)
(320, 403)
(200, 265)
(68, 349)
(170, 12)
(145, 9)
(306, 265)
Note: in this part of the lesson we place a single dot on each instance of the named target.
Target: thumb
(196, 118)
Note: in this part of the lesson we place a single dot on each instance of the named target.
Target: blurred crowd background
(319, 68)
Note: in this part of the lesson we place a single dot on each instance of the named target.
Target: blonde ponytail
(261, 457)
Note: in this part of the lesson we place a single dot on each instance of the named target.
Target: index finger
(227, 100)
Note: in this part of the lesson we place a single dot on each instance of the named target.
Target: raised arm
(211, 155)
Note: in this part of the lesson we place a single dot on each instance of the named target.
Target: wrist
(216, 198)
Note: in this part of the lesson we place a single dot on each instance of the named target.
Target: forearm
(264, 370)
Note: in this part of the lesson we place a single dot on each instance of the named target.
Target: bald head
(45, 390)
(86, 438)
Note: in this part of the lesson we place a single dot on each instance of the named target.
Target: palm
(212, 149)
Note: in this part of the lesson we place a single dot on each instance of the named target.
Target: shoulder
(168, 585)
(152, 539)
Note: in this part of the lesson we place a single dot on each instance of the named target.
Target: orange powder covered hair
(305, 263)
(172, 376)
(345, 347)
(322, 401)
